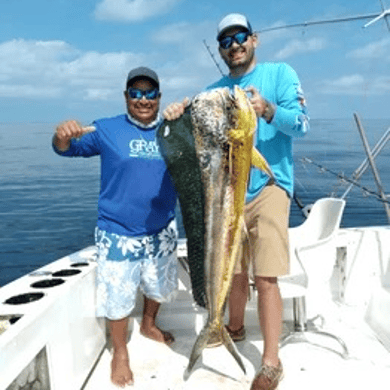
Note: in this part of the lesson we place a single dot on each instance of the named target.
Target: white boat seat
(319, 229)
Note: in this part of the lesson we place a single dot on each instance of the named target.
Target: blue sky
(62, 59)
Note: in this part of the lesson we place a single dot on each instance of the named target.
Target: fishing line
(344, 179)
(213, 57)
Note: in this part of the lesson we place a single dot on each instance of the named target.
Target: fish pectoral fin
(258, 160)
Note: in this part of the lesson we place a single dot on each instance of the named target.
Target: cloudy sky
(62, 59)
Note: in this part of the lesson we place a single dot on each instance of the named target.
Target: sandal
(237, 335)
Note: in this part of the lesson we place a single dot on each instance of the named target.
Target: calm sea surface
(48, 203)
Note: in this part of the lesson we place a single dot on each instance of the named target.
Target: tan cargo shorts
(265, 244)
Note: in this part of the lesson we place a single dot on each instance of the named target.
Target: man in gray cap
(136, 235)
(278, 101)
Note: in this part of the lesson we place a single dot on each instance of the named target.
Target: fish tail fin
(230, 346)
(260, 162)
(206, 334)
(210, 336)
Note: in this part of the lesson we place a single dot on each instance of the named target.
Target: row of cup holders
(45, 283)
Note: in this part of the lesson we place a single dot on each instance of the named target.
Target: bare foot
(157, 334)
(121, 374)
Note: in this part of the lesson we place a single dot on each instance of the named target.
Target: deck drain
(47, 283)
(24, 298)
(66, 272)
(80, 265)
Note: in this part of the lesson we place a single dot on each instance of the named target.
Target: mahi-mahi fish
(222, 128)
(177, 146)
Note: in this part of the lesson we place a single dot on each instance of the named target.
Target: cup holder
(47, 283)
(7, 320)
(24, 298)
(66, 272)
(10, 318)
(80, 265)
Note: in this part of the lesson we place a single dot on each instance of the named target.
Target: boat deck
(306, 366)
(58, 339)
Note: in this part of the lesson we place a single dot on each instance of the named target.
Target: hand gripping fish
(223, 129)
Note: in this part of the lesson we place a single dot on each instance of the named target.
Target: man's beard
(232, 65)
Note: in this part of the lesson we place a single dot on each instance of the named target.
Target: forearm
(294, 123)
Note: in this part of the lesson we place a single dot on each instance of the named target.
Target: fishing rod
(213, 57)
(344, 178)
(375, 17)
(356, 175)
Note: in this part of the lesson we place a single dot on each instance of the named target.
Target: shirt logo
(301, 99)
(144, 149)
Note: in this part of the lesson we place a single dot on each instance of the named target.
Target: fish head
(224, 114)
(212, 114)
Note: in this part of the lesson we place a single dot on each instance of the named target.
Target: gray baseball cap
(141, 73)
(233, 20)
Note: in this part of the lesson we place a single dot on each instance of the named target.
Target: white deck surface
(156, 366)
(63, 323)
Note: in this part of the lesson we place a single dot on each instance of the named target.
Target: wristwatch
(269, 111)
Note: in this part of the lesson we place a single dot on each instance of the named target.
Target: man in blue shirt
(136, 233)
(277, 98)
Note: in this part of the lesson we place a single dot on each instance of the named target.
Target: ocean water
(48, 203)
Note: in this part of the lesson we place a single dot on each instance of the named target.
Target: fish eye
(205, 160)
(167, 131)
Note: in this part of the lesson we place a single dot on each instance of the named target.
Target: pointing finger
(88, 129)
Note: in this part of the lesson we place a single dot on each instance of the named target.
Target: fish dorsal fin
(260, 162)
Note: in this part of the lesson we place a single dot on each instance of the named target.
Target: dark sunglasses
(240, 38)
(150, 94)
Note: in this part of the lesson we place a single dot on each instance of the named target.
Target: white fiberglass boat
(51, 338)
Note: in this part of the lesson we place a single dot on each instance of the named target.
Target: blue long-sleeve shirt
(279, 84)
(137, 196)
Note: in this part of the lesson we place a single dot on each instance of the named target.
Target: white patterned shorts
(128, 263)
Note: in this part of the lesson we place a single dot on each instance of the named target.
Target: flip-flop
(168, 337)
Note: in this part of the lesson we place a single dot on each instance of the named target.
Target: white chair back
(323, 221)
(318, 229)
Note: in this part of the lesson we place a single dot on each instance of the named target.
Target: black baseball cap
(143, 72)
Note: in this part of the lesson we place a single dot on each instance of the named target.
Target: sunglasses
(240, 38)
(150, 94)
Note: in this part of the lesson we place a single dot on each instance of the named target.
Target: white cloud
(132, 10)
(375, 50)
(29, 91)
(181, 82)
(186, 65)
(176, 33)
(357, 85)
(55, 69)
(296, 46)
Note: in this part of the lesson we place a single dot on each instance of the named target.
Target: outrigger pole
(374, 169)
(374, 18)
(357, 174)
